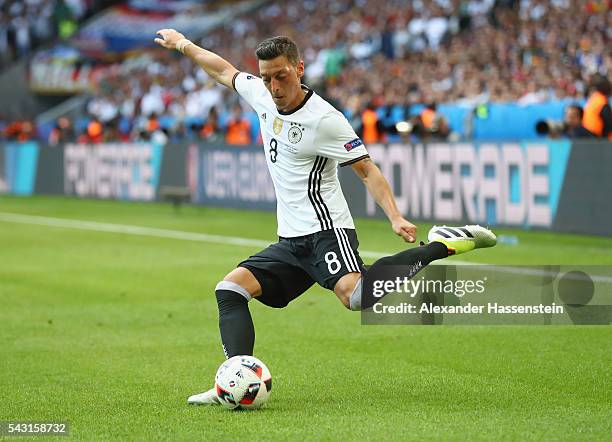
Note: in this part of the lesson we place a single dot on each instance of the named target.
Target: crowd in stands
(25, 24)
(365, 56)
(438, 51)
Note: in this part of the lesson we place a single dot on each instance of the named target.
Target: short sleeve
(250, 87)
(336, 139)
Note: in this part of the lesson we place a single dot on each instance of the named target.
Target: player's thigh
(279, 275)
(245, 279)
(335, 256)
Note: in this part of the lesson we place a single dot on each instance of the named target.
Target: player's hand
(168, 38)
(405, 229)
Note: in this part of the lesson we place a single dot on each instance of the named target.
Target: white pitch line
(151, 231)
(131, 230)
(222, 239)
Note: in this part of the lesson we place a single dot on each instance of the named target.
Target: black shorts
(288, 268)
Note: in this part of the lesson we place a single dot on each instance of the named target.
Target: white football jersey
(303, 148)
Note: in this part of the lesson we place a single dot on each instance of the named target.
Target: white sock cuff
(232, 286)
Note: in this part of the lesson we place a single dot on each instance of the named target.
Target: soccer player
(305, 138)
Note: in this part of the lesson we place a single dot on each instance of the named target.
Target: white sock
(355, 299)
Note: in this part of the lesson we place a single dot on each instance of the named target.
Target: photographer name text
(492, 308)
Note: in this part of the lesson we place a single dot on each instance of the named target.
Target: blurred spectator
(570, 127)
(238, 128)
(3, 125)
(21, 30)
(152, 102)
(154, 131)
(430, 124)
(65, 18)
(573, 123)
(372, 130)
(152, 124)
(62, 132)
(212, 131)
(20, 130)
(94, 133)
(597, 115)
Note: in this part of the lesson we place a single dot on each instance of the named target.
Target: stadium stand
(25, 25)
(399, 59)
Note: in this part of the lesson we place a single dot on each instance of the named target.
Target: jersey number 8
(273, 151)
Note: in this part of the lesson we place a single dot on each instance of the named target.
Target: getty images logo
(411, 287)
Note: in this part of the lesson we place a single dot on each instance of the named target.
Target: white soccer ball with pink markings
(243, 382)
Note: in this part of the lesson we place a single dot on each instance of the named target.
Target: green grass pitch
(112, 332)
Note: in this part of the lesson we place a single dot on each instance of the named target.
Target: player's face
(283, 81)
(572, 117)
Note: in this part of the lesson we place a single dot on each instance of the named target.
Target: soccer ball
(243, 382)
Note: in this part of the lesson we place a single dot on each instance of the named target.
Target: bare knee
(345, 286)
(244, 278)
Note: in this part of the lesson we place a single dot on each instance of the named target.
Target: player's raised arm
(217, 67)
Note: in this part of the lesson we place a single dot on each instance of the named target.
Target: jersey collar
(301, 105)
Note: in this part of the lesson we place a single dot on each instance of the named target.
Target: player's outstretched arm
(217, 67)
(380, 190)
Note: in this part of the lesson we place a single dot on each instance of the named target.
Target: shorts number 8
(333, 265)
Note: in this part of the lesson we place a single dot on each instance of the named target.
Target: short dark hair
(601, 84)
(276, 46)
(578, 109)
